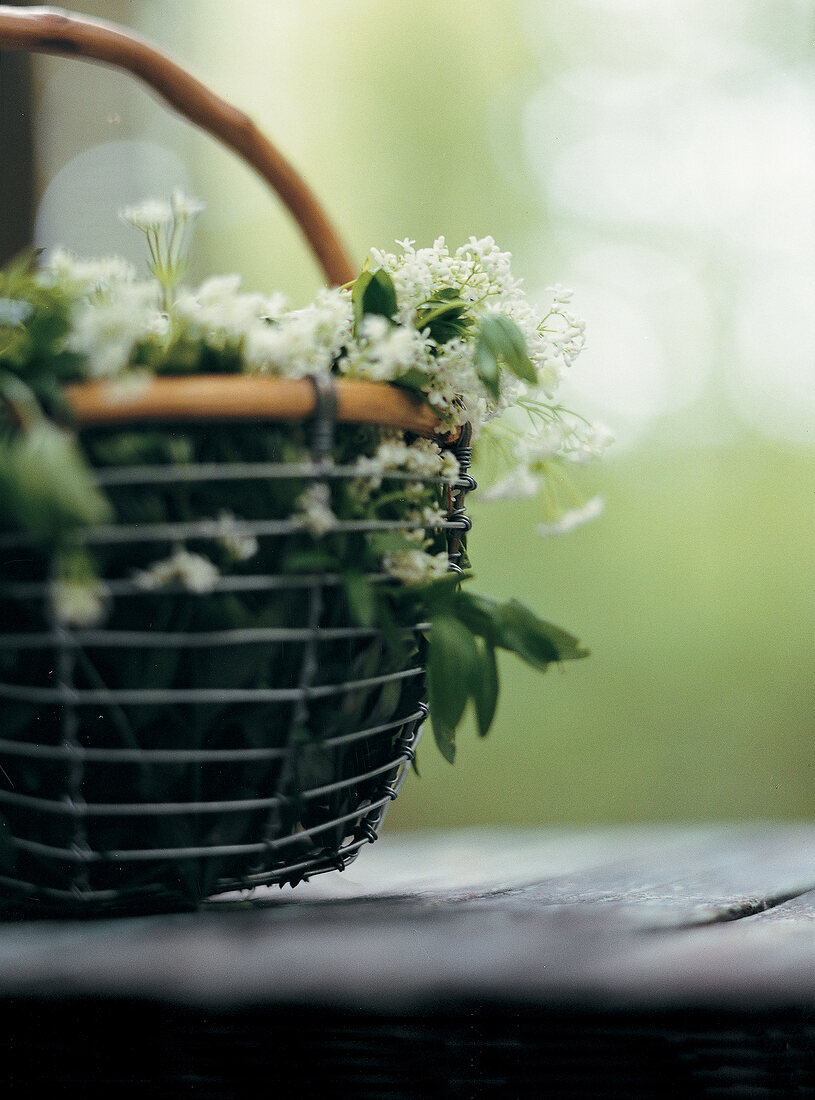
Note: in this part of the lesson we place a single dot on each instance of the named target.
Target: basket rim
(235, 397)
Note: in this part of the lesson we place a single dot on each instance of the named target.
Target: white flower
(384, 351)
(13, 311)
(422, 457)
(592, 444)
(302, 341)
(547, 442)
(183, 206)
(573, 517)
(90, 276)
(167, 227)
(151, 214)
(556, 341)
(519, 484)
(239, 546)
(106, 331)
(194, 571)
(220, 314)
(432, 515)
(78, 601)
(314, 507)
(560, 294)
(415, 566)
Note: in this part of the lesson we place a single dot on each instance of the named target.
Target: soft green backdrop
(659, 158)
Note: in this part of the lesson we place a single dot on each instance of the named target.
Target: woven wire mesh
(276, 730)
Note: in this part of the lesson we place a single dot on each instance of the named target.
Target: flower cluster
(455, 327)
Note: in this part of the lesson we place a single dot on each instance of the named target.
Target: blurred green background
(658, 156)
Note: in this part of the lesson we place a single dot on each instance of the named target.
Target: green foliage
(46, 487)
(485, 687)
(373, 292)
(466, 629)
(445, 315)
(500, 341)
(35, 318)
(452, 668)
(418, 381)
(361, 596)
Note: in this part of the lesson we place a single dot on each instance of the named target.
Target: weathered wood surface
(718, 917)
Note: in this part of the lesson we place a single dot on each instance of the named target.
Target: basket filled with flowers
(234, 568)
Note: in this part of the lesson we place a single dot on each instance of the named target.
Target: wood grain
(641, 919)
(249, 398)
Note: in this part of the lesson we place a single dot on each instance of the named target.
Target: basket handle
(51, 30)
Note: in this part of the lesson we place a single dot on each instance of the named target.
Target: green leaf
(452, 670)
(445, 315)
(309, 561)
(387, 623)
(478, 613)
(485, 688)
(373, 292)
(512, 626)
(413, 379)
(501, 341)
(386, 704)
(389, 542)
(486, 364)
(46, 486)
(568, 647)
(361, 599)
(534, 640)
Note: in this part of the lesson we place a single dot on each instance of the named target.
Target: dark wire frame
(280, 853)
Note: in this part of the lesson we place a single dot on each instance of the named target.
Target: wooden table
(647, 962)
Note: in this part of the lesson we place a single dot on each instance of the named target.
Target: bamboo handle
(50, 30)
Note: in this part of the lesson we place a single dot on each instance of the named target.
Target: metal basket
(223, 780)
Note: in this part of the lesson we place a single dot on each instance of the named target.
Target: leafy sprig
(466, 630)
(444, 316)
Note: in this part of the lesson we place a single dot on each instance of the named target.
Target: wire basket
(253, 763)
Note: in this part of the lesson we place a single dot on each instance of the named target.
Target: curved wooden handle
(50, 30)
(200, 397)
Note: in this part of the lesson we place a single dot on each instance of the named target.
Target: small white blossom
(450, 467)
(167, 227)
(302, 341)
(415, 566)
(240, 547)
(384, 352)
(422, 457)
(152, 214)
(90, 276)
(192, 570)
(221, 314)
(314, 509)
(574, 517)
(432, 515)
(184, 206)
(107, 331)
(13, 311)
(592, 444)
(78, 601)
(560, 294)
(519, 484)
